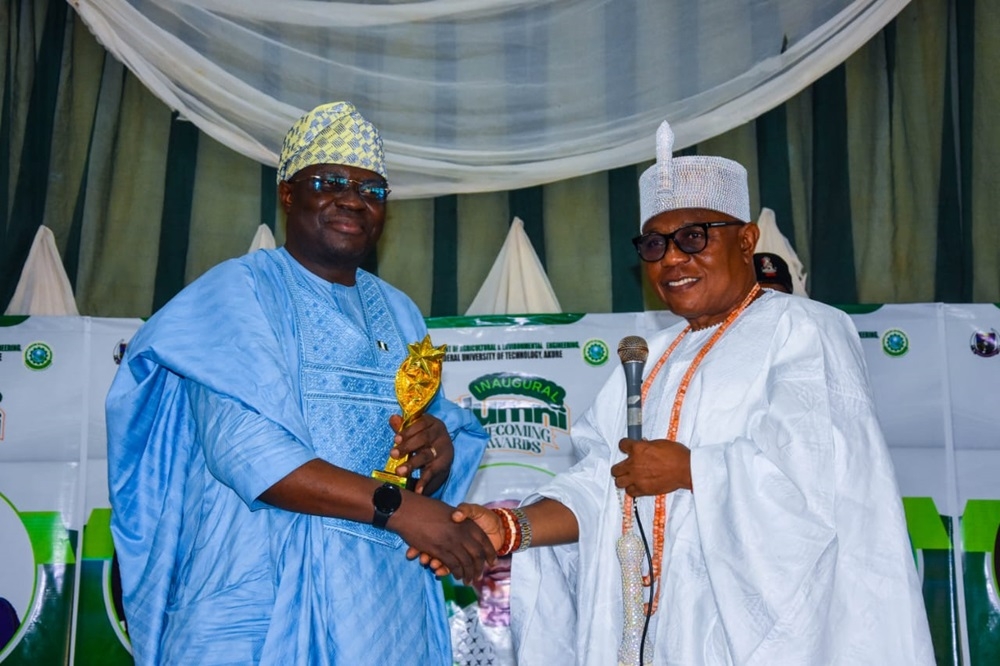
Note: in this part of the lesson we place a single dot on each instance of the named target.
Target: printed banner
(42, 440)
(527, 380)
(932, 368)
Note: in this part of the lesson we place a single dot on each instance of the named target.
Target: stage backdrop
(934, 369)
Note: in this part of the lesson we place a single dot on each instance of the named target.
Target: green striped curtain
(881, 175)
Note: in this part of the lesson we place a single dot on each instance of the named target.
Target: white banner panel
(42, 365)
(903, 348)
(972, 354)
(933, 369)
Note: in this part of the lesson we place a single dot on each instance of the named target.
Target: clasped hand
(486, 523)
(459, 547)
(453, 544)
(429, 446)
(652, 467)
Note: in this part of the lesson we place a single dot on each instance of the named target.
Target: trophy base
(395, 479)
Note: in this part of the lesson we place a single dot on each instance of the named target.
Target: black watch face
(387, 498)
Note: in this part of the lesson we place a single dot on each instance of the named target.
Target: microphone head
(633, 348)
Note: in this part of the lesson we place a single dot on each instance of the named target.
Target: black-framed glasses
(689, 239)
(373, 190)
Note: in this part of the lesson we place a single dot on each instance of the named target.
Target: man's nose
(350, 197)
(673, 255)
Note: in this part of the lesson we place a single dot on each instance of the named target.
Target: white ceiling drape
(481, 95)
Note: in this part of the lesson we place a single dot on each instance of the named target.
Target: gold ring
(434, 452)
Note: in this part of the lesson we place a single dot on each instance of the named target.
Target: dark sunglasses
(373, 190)
(689, 239)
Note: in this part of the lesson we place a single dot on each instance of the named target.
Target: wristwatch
(386, 500)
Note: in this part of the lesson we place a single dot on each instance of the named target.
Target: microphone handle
(633, 399)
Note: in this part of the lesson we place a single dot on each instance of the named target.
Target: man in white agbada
(765, 490)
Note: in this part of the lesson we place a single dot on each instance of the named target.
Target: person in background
(772, 272)
(243, 427)
(758, 521)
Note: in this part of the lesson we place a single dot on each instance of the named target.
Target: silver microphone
(633, 350)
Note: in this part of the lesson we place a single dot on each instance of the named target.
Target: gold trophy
(417, 380)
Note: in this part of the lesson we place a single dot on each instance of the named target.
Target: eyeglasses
(689, 239)
(373, 190)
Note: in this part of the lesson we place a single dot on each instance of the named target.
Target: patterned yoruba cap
(333, 133)
(696, 181)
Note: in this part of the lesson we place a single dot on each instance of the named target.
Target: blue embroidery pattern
(348, 383)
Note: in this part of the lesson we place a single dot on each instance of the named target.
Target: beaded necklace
(660, 510)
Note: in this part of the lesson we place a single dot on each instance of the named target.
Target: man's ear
(285, 195)
(748, 238)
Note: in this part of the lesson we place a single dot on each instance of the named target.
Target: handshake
(441, 535)
(461, 541)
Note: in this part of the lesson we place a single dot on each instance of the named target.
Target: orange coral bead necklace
(660, 506)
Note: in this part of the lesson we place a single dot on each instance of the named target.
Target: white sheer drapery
(480, 95)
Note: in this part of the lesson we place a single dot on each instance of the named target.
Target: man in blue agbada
(243, 426)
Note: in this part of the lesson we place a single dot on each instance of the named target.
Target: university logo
(595, 352)
(895, 343)
(38, 356)
(522, 413)
(985, 343)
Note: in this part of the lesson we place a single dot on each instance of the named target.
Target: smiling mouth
(351, 227)
(682, 282)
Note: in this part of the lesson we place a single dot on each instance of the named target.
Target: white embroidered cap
(695, 181)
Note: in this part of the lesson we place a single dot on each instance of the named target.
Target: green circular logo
(38, 356)
(895, 342)
(595, 352)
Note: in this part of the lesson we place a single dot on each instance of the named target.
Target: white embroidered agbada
(792, 549)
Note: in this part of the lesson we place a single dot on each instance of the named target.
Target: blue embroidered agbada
(253, 370)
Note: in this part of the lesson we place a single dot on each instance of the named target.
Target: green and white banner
(933, 368)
